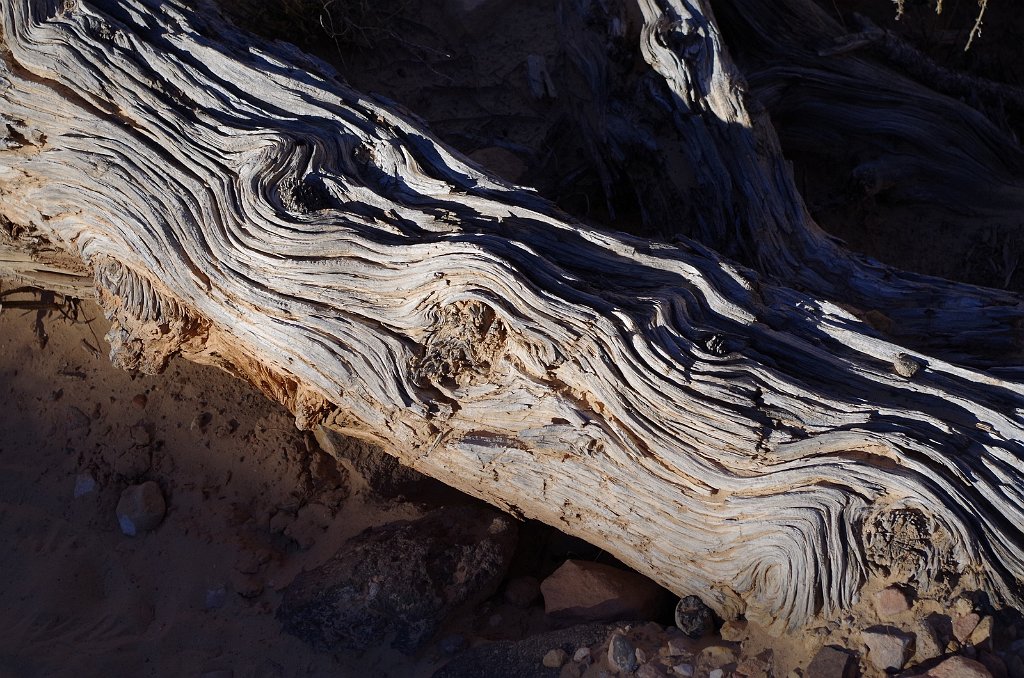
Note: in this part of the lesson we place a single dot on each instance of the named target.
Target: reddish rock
(959, 667)
(964, 625)
(888, 648)
(832, 662)
(584, 591)
(890, 602)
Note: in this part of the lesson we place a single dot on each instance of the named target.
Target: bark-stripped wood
(760, 447)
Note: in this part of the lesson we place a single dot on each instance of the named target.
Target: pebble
(963, 606)
(641, 656)
(716, 673)
(890, 602)
(77, 419)
(887, 648)
(649, 671)
(140, 401)
(693, 617)
(556, 658)
(622, 654)
(84, 484)
(581, 654)
(522, 591)
(679, 646)
(716, 656)
(141, 435)
(685, 670)
(733, 631)
(959, 667)
(141, 508)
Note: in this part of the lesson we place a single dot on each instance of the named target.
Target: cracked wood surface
(235, 202)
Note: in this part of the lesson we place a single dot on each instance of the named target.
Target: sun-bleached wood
(234, 202)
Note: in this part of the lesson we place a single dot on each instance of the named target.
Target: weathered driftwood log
(236, 203)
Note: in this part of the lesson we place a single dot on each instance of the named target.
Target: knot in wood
(910, 544)
(466, 342)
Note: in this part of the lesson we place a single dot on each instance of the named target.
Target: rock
(679, 646)
(964, 625)
(401, 580)
(693, 617)
(649, 671)
(585, 591)
(522, 591)
(140, 400)
(995, 665)
(621, 654)
(716, 673)
(981, 636)
(959, 667)
(963, 606)
(141, 508)
(927, 643)
(84, 484)
(685, 670)
(555, 658)
(581, 654)
(733, 631)
(716, 656)
(132, 462)
(755, 667)
(832, 662)
(890, 602)
(888, 648)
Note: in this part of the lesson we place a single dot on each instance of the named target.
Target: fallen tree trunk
(234, 202)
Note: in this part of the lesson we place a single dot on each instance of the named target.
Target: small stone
(890, 602)
(755, 667)
(716, 673)
(685, 670)
(679, 646)
(522, 591)
(84, 484)
(622, 654)
(963, 626)
(555, 658)
(832, 662)
(905, 365)
(641, 656)
(140, 400)
(649, 671)
(581, 654)
(693, 617)
(141, 508)
(716, 656)
(982, 633)
(141, 435)
(888, 648)
(959, 667)
(734, 631)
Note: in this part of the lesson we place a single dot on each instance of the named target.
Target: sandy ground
(79, 598)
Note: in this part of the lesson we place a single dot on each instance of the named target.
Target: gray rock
(622, 654)
(693, 617)
(888, 648)
(84, 484)
(555, 659)
(522, 658)
(399, 582)
(141, 508)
